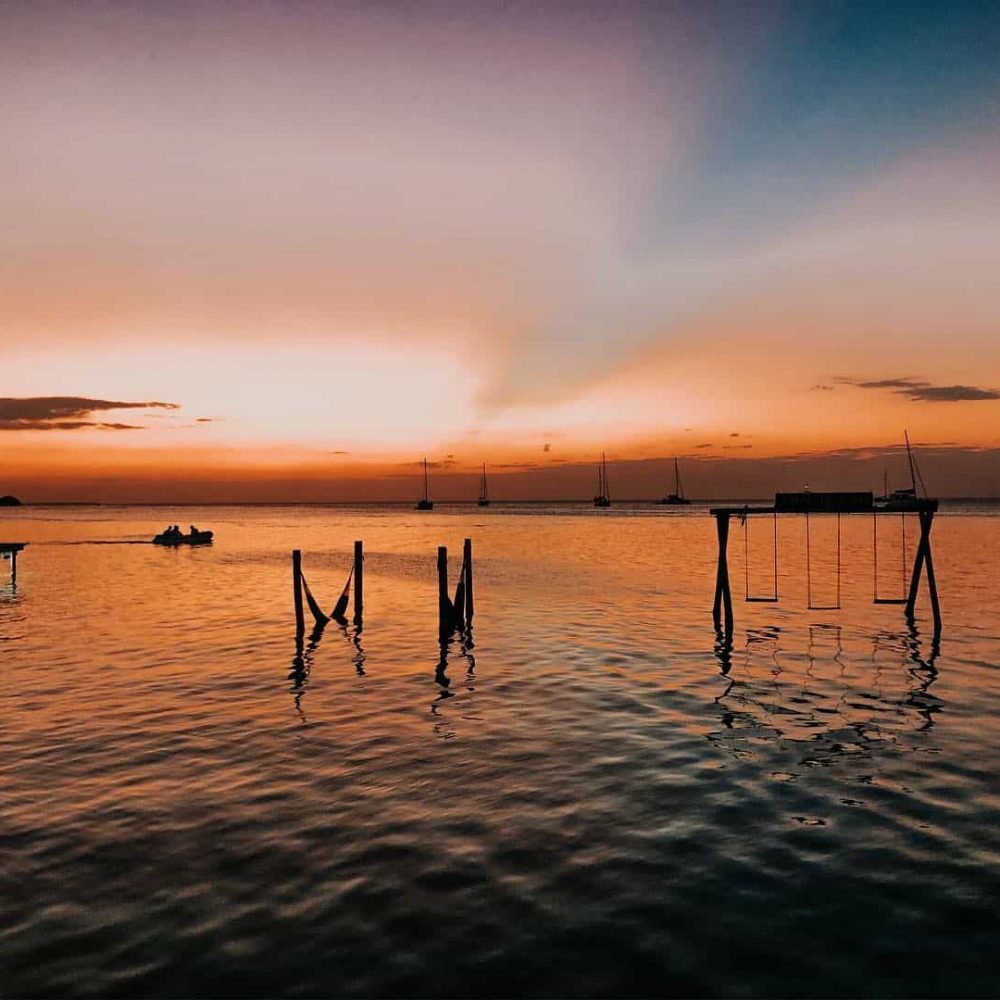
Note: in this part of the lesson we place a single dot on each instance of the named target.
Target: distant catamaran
(603, 498)
(676, 498)
(426, 503)
(484, 493)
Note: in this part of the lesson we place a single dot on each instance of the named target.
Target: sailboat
(603, 498)
(484, 493)
(676, 498)
(906, 498)
(426, 503)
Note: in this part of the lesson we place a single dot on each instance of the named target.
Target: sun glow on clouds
(476, 229)
(315, 397)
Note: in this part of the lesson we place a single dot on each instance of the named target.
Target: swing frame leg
(723, 593)
(924, 558)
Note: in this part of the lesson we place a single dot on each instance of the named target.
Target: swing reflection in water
(821, 691)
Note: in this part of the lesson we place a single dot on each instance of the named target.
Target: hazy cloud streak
(925, 392)
(67, 413)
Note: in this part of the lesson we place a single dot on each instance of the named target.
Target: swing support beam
(828, 503)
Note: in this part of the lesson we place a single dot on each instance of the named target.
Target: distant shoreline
(408, 504)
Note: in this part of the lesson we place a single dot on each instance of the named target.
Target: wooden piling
(359, 577)
(13, 568)
(723, 594)
(467, 560)
(458, 604)
(300, 621)
(445, 620)
(932, 590)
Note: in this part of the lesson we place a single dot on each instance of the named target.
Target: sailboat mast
(909, 455)
(484, 492)
(426, 494)
(677, 479)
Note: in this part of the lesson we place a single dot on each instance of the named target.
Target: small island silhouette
(9, 501)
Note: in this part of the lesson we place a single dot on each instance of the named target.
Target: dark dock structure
(806, 503)
(9, 550)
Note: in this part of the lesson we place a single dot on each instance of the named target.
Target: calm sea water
(592, 797)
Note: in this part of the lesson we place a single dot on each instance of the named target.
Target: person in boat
(171, 531)
(193, 530)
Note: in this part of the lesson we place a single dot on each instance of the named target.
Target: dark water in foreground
(594, 798)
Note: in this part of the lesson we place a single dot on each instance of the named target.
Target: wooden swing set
(836, 504)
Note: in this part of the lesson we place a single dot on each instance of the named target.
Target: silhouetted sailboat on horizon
(484, 493)
(603, 498)
(676, 498)
(905, 498)
(426, 503)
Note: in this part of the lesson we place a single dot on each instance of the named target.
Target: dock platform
(9, 550)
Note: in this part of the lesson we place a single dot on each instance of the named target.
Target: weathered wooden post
(445, 614)
(300, 622)
(723, 594)
(359, 571)
(13, 568)
(931, 582)
(467, 560)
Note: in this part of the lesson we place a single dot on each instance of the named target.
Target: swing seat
(889, 600)
(761, 600)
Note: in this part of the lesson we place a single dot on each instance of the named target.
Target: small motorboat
(193, 538)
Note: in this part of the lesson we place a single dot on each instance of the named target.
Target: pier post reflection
(924, 672)
(302, 663)
(353, 636)
(464, 641)
(723, 650)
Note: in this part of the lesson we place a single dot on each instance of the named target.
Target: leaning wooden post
(300, 621)
(931, 582)
(723, 595)
(13, 568)
(359, 577)
(445, 618)
(467, 560)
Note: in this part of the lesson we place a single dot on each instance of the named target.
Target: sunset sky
(284, 250)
